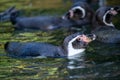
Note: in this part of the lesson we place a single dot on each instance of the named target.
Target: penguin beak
(113, 12)
(117, 8)
(91, 36)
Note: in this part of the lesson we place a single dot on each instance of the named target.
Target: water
(58, 69)
(99, 62)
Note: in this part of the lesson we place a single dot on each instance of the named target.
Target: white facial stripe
(80, 8)
(71, 50)
(104, 17)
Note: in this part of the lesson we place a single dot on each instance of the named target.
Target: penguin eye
(78, 39)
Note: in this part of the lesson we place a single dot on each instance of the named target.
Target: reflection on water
(99, 62)
(58, 68)
(73, 61)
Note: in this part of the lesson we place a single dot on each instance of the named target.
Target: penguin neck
(71, 50)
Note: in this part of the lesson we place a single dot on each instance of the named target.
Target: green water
(101, 61)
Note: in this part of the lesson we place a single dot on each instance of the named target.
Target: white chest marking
(71, 50)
